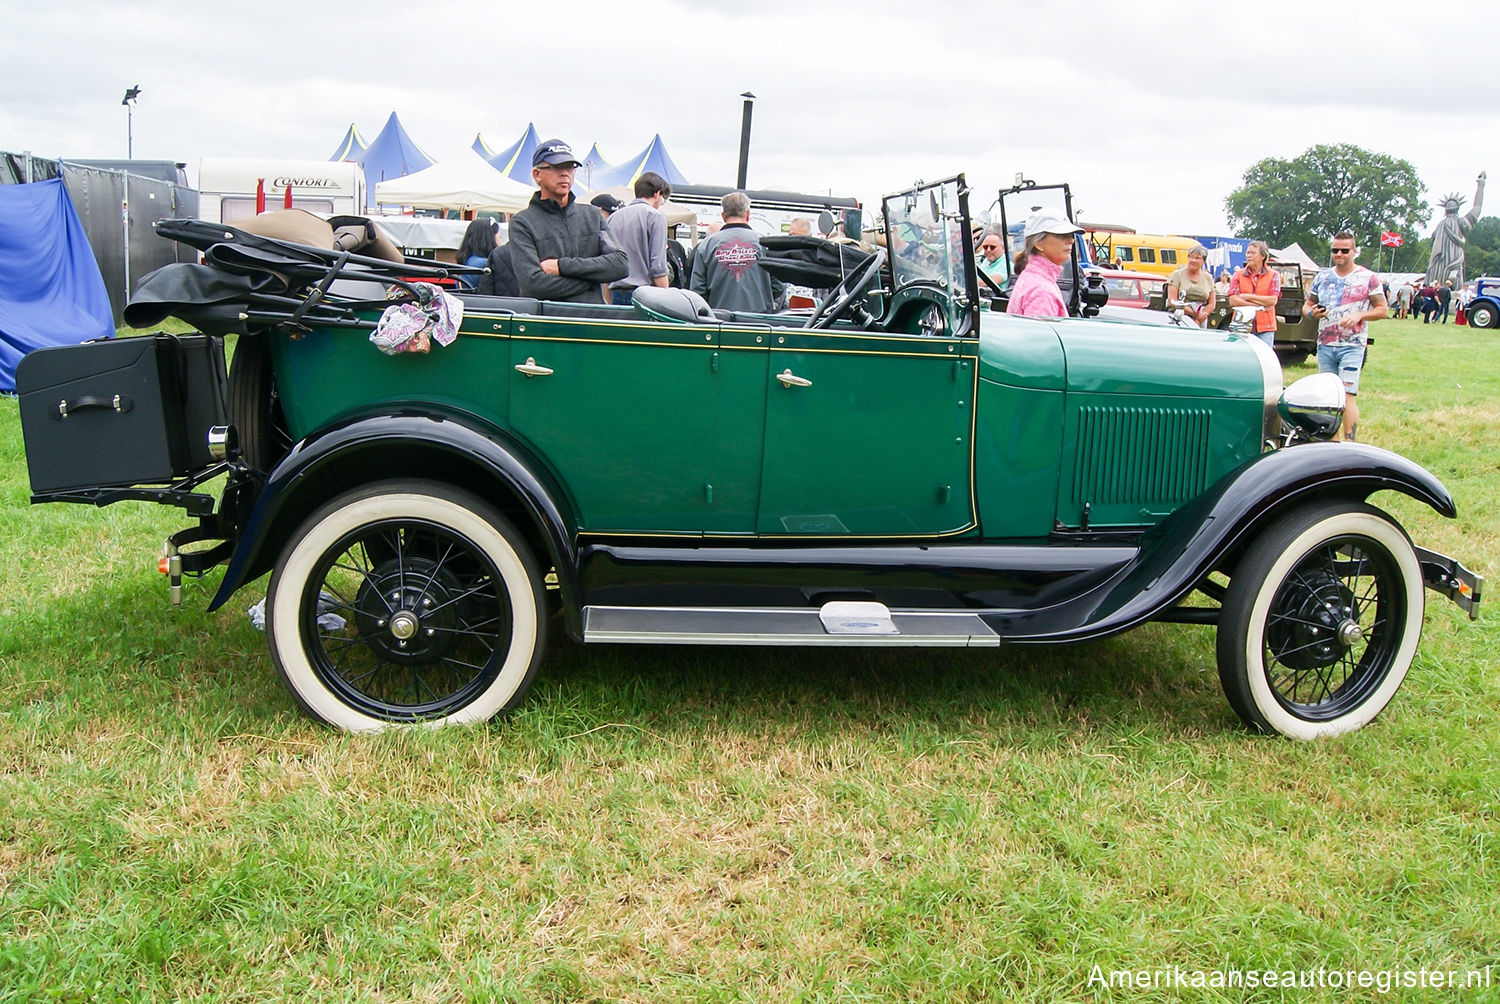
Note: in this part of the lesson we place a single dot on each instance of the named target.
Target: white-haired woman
(1192, 287)
(1049, 246)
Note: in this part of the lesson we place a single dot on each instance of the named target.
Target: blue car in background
(1483, 310)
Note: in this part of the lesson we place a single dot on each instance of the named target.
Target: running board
(838, 623)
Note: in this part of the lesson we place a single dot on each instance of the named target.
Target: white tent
(1294, 253)
(462, 182)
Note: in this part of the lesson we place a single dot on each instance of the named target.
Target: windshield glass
(1017, 205)
(927, 229)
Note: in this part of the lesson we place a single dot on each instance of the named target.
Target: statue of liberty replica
(1448, 239)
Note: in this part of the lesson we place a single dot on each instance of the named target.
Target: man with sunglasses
(992, 256)
(1344, 299)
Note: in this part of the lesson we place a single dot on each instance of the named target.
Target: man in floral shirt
(1344, 299)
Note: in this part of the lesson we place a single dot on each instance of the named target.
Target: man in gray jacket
(641, 229)
(562, 250)
(726, 266)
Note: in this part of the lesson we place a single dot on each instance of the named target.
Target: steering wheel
(850, 288)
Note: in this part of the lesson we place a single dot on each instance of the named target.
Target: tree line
(1333, 187)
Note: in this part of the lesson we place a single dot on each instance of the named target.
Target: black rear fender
(447, 448)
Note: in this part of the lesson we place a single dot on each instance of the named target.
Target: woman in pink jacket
(1049, 243)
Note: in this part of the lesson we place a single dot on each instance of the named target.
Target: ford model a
(900, 466)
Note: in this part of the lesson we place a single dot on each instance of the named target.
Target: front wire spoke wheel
(1316, 647)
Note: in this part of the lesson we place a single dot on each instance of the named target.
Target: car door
(622, 411)
(867, 435)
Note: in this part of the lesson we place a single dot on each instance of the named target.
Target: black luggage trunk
(124, 411)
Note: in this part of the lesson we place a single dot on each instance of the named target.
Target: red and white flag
(1390, 239)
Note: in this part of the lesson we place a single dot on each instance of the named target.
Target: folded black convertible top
(810, 261)
(285, 273)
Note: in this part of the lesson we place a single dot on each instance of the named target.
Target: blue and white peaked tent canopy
(653, 158)
(594, 166)
(391, 155)
(351, 146)
(480, 147)
(515, 160)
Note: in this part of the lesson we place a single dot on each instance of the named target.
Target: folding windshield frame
(1075, 299)
(959, 299)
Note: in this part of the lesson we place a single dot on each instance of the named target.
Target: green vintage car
(902, 465)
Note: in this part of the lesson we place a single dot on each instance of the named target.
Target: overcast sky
(1151, 111)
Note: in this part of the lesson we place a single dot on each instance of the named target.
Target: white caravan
(227, 187)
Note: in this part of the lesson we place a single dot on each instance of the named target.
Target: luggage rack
(179, 493)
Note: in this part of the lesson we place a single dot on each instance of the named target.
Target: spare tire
(254, 406)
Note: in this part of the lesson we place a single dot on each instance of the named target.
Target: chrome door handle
(531, 369)
(790, 379)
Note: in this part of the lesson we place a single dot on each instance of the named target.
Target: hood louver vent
(1140, 456)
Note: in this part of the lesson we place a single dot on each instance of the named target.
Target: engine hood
(1095, 423)
(1108, 357)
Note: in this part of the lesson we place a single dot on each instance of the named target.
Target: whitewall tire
(1320, 621)
(406, 602)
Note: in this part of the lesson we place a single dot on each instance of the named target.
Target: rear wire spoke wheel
(1320, 621)
(254, 406)
(406, 602)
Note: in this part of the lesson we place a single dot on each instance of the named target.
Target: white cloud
(1152, 111)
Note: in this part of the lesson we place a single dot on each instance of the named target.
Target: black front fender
(452, 448)
(1176, 554)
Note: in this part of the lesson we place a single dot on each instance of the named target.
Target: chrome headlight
(1314, 405)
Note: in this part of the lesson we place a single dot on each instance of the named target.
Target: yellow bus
(1158, 253)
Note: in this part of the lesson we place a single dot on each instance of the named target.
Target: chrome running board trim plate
(785, 626)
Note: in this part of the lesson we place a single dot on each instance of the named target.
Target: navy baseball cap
(554, 152)
(606, 202)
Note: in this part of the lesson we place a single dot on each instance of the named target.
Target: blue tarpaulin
(51, 292)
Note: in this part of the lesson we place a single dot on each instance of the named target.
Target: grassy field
(671, 824)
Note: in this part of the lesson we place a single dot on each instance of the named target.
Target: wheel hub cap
(1314, 624)
(404, 624)
(409, 609)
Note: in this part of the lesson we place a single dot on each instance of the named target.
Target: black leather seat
(601, 311)
(675, 304)
(500, 304)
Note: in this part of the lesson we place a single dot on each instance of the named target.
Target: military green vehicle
(900, 466)
(1296, 332)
